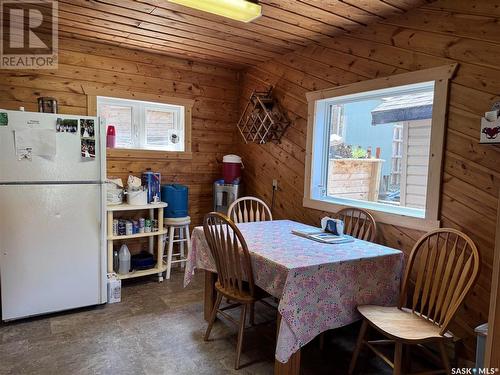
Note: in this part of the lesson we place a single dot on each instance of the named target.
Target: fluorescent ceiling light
(239, 10)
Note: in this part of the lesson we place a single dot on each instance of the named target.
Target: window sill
(380, 216)
(127, 153)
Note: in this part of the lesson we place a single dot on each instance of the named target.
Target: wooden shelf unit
(138, 235)
(160, 265)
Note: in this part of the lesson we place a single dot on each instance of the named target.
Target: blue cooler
(177, 198)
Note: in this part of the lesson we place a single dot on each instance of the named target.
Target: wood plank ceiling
(163, 27)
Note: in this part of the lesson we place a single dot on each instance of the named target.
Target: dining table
(318, 285)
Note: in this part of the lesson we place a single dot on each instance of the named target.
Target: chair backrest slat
(257, 213)
(446, 264)
(245, 212)
(251, 216)
(230, 252)
(362, 229)
(249, 209)
(240, 215)
(232, 259)
(437, 281)
(450, 289)
(420, 276)
(455, 301)
(426, 291)
(445, 281)
(240, 274)
(358, 223)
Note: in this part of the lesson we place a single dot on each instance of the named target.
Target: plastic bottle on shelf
(116, 261)
(124, 260)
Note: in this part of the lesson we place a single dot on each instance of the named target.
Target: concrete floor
(158, 329)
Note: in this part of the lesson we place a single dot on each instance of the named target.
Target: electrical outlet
(275, 184)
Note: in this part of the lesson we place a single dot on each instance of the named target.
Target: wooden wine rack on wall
(263, 119)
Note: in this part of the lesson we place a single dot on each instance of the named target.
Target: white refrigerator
(52, 203)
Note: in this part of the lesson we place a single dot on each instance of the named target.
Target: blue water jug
(177, 198)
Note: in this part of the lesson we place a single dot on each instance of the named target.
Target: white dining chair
(249, 209)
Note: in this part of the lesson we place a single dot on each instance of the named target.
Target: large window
(144, 125)
(377, 147)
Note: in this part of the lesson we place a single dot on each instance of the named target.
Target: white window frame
(138, 119)
(120, 153)
(178, 112)
(315, 197)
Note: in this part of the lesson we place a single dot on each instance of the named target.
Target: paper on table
(42, 142)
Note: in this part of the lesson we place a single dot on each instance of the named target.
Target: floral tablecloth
(319, 285)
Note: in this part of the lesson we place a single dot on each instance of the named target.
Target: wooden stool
(181, 225)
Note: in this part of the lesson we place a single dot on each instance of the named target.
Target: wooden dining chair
(358, 223)
(234, 273)
(249, 209)
(445, 265)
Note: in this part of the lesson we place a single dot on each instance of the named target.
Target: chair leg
(188, 245)
(213, 315)
(252, 314)
(240, 335)
(359, 345)
(407, 358)
(170, 250)
(398, 358)
(181, 246)
(444, 357)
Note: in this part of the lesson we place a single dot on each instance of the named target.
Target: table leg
(292, 367)
(210, 294)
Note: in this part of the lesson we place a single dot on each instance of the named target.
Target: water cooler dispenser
(224, 195)
(228, 189)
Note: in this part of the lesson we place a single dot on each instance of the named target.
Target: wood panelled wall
(86, 66)
(465, 31)
(445, 31)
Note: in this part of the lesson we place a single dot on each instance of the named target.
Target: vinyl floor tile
(158, 329)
